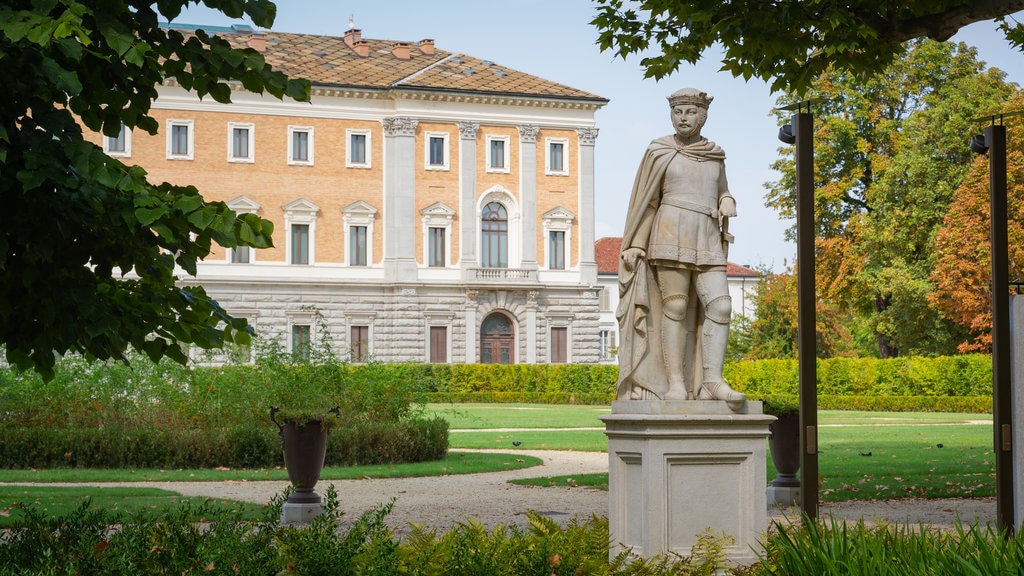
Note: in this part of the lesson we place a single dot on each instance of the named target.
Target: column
(528, 193)
(467, 196)
(588, 265)
(400, 199)
(471, 326)
(531, 327)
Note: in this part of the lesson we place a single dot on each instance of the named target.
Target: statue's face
(688, 119)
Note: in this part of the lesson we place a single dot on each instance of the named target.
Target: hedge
(366, 442)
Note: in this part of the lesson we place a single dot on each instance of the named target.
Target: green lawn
(60, 500)
(863, 455)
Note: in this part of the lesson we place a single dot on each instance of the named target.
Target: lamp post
(801, 133)
(994, 142)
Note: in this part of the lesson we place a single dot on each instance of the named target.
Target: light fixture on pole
(801, 132)
(994, 143)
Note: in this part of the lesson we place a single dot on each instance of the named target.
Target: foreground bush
(836, 548)
(222, 544)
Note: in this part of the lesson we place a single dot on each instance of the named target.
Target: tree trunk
(885, 348)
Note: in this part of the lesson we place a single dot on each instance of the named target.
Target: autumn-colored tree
(889, 151)
(963, 273)
(773, 332)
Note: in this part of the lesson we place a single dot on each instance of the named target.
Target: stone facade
(417, 194)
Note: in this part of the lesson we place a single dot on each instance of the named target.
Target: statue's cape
(639, 311)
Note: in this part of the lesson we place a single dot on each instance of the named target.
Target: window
(494, 236)
(606, 339)
(559, 345)
(556, 250)
(359, 338)
(300, 341)
(556, 159)
(179, 139)
(439, 344)
(120, 145)
(357, 246)
(435, 250)
(437, 151)
(358, 148)
(240, 142)
(300, 243)
(558, 228)
(240, 255)
(497, 154)
(436, 226)
(357, 220)
(300, 145)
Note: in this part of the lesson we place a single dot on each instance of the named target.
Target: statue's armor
(685, 232)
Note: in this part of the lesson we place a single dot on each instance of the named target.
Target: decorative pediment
(358, 213)
(438, 210)
(359, 207)
(559, 213)
(243, 205)
(301, 205)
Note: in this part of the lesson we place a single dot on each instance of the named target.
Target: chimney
(352, 37)
(362, 48)
(400, 50)
(427, 46)
(257, 42)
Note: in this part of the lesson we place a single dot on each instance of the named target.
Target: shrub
(82, 542)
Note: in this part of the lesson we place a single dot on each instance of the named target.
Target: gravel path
(441, 501)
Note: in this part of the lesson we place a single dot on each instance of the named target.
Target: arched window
(494, 236)
(497, 339)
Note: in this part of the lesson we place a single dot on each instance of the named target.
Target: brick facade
(428, 119)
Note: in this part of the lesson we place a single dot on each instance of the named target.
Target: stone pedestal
(292, 513)
(679, 468)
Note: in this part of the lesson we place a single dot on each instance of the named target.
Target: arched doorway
(497, 340)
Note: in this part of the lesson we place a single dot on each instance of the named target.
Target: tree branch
(941, 25)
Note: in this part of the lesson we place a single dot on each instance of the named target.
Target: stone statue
(672, 281)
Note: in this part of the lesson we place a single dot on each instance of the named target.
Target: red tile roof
(331, 61)
(606, 253)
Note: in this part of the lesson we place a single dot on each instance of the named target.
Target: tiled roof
(331, 61)
(606, 252)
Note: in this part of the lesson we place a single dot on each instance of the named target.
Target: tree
(88, 247)
(889, 151)
(963, 272)
(787, 42)
(773, 332)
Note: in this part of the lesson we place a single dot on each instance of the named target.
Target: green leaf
(147, 216)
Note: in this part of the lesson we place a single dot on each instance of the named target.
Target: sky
(554, 39)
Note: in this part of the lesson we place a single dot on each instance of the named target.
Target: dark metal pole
(803, 128)
(1002, 404)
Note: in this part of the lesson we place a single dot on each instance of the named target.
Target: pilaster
(467, 196)
(400, 199)
(528, 192)
(588, 264)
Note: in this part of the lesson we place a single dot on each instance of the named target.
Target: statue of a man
(674, 305)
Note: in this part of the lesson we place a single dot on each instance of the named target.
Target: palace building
(427, 205)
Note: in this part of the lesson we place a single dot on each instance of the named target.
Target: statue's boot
(715, 338)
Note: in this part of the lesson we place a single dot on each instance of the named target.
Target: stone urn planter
(304, 443)
(784, 445)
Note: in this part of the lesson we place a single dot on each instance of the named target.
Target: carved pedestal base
(679, 468)
(292, 513)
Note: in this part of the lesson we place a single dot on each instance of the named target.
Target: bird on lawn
(516, 443)
(865, 453)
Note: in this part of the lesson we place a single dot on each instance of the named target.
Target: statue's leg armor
(713, 289)
(674, 285)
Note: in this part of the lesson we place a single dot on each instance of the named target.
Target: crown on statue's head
(690, 96)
